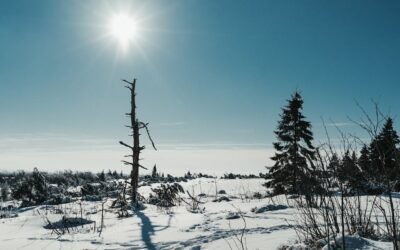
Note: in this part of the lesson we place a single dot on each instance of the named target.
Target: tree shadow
(147, 230)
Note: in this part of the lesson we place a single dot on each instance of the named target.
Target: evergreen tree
(364, 162)
(4, 191)
(355, 179)
(292, 172)
(154, 173)
(343, 168)
(32, 189)
(115, 174)
(102, 176)
(22, 190)
(348, 172)
(39, 189)
(333, 168)
(384, 154)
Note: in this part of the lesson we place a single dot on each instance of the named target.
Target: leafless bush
(193, 203)
(238, 239)
(67, 223)
(339, 209)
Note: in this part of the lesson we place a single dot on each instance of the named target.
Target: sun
(124, 29)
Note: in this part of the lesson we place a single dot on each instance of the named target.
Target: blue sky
(212, 75)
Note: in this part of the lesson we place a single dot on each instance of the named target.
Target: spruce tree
(102, 176)
(384, 154)
(348, 172)
(154, 173)
(4, 191)
(38, 189)
(115, 174)
(364, 162)
(292, 171)
(333, 167)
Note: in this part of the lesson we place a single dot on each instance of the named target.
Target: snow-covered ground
(155, 229)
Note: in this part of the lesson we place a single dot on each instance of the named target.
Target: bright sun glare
(124, 29)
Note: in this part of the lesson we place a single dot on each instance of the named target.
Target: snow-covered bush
(56, 199)
(267, 208)
(166, 195)
(221, 191)
(92, 189)
(221, 198)
(66, 224)
(352, 242)
(31, 190)
(232, 216)
(92, 198)
(257, 195)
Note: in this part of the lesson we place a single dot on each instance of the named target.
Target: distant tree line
(38, 187)
(242, 176)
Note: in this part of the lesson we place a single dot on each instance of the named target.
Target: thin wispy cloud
(340, 124)
(172, 124)
(63, 143)
(216, 145)
(52, 142)
(246, 131)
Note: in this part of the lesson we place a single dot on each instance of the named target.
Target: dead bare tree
(102, 218)
(194, 203)
(135, 126)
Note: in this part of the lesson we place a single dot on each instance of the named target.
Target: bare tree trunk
(135, 142)
(135, 126)
(102, 218)
(359, 208)
(342, 217)
(80, 205)
(395, 245)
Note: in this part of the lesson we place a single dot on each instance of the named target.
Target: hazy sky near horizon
(212, 77)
